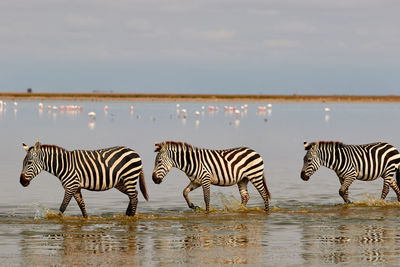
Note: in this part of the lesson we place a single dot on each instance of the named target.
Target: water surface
(307, 225)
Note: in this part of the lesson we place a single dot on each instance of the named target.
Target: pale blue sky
(207, 46)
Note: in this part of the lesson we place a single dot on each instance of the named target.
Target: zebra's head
(32, 165)
(311, 160)
(163, 163)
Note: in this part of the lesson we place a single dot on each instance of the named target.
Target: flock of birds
(182, 113)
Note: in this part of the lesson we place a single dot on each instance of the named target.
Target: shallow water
(307, 225)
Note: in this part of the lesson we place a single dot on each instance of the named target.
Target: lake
(308, 223)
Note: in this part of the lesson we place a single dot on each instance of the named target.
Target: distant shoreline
(200, 97)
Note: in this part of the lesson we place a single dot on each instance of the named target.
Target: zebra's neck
(328, 153)
(56, 160)
(179, 156)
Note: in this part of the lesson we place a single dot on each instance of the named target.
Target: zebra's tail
(266, 188)
(142, 185)
(398, 176)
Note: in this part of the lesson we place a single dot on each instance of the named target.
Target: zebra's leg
(205, 183)
(392, 183)
(244, 194)
(345, 186)
(192, 186)
(259, 184)
(133, 200)
(67, 198)
(79, 199)
(346, 193)
(385, 189)
(120, 186)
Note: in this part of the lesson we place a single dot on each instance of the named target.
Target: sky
(206, 46)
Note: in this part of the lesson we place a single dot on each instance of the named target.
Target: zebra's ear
(158, 147)
(307, 146)
(37, 146)
(25, 147)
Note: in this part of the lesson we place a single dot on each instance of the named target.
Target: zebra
(204, 167)
(350, 162)
(95, 170)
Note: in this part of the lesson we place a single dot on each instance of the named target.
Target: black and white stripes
(218, 167)
(95, 170)
(351, 162)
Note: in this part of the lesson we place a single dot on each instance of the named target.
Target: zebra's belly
(222, 182)
(98, 186)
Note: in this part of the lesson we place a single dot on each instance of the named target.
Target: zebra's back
(372, 160)
(231, 165)
(102, 169)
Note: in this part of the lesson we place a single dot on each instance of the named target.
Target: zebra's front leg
(343, 191)
(79, 199)
(192, 186)
(244, 194)
(205, 183)
(346, 193)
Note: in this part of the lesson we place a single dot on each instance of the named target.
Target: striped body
(95, 170)
(350, 162)
(218, 167)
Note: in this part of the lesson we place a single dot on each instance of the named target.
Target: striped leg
(243, 191)
(205, 183)
(395, 187)
(79, 199)
(388, 180)
(133, 200)
(346, 193)
(260, 185)
(192, 186)
(392, 183)
(67, 198)
(343, 191)
(131, 210)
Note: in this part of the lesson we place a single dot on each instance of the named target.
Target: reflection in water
(128, 242)
(81, 245)
(354, 242)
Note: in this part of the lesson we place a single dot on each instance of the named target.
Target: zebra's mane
(177, 144)
(45, 146)
(329, 143)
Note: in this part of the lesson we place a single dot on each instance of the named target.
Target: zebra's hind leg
(261, 186)
(133, 200)
(395, 187)
(244, 194)
(192, 186)
(131, 210)
(79, 199)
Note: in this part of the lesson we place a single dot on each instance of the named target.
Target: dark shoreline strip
(200, 97)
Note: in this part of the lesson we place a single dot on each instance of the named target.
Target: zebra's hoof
(194, 207)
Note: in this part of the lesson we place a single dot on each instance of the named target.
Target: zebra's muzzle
(156, 180)
(23, 180)
(304, 176)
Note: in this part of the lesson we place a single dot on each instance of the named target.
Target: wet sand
(202, 97)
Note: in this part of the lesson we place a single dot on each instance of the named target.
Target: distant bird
(327, 109)
(92, 115)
